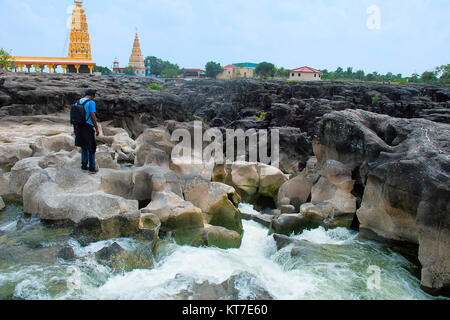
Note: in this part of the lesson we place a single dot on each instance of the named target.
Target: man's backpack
(78, 113)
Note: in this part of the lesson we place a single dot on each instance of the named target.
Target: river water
(337, 266)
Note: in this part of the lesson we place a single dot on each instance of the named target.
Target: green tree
(103, 70)
(414, 78)
(443, 72)
(169, 73)
(129, 70)
(359, 75)
(41, 67)
(370, 77)
(265, 69)
(281, 72)
(157, 66)
(349, 73)
(428, 76)
(212, 69)
(5, 59)
(339, 73)
(389, 76)
(13, 65)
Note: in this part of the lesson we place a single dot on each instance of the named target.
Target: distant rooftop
(246, 65)
(193, 70)
(306, 70)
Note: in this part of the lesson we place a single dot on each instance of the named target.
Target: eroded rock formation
(403, 167)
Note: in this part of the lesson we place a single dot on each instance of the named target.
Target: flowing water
(337, 266)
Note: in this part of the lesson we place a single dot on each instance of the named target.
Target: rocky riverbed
(365, 157)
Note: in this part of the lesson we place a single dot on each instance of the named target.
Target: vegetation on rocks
(154, 86)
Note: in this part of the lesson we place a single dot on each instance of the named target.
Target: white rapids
(340, 272)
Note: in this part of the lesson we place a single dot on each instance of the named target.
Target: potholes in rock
(358, 192)
(264, 204)
(144, 203)
(355, 223)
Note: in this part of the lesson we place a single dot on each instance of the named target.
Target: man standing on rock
(85, 134)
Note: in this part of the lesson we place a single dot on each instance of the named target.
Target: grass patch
(154, 86)
(260, 116)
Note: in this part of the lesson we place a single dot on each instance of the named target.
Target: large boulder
(61, 142)
(95, 228)
(298, 189)
(67, 195)
(331, 198)
(2, 204)
(287, 224)
(138, 183)
(218, 203)
(253, 181)
(106, 158)
(21, 172)
(4, 183)
(332, 204)
(10, 153)
(240, 286)
(220, 237)
(119, 143)
(176, 215)
(404, 169)
(120, 260)
(154, 146)
(23, 169)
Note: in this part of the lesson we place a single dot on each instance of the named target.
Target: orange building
(79, 58)
(136, 58)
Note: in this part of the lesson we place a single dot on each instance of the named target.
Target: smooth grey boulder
(218, 203)
(138, 183)
(70, 195)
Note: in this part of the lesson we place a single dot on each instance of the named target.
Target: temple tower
(79, 47)
(136, 59)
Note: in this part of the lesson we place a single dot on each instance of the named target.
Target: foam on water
(335, 268)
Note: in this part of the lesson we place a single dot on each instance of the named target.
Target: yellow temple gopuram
(79, 59)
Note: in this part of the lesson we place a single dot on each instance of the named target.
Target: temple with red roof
(305, 74)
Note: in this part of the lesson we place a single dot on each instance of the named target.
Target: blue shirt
(89, 107)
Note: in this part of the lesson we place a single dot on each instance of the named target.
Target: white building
(305, 74)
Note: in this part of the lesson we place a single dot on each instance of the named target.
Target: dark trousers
(87, 157)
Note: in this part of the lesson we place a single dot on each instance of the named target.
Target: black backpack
(78, 113)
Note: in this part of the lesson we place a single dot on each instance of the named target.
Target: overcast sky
(413, 35)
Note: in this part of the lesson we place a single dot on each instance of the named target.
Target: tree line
(440, 74)
(166, 69)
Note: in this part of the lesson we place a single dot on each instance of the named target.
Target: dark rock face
(67, 253)
(404, 168)
(108, 252)
(124, 225)
(122, 99)
(242, 103)
(287, 224)
(120, 260)
(230, 289)
(297, 107)
(299, 104)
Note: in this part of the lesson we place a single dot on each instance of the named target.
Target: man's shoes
(93, 171)
(84, 169)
